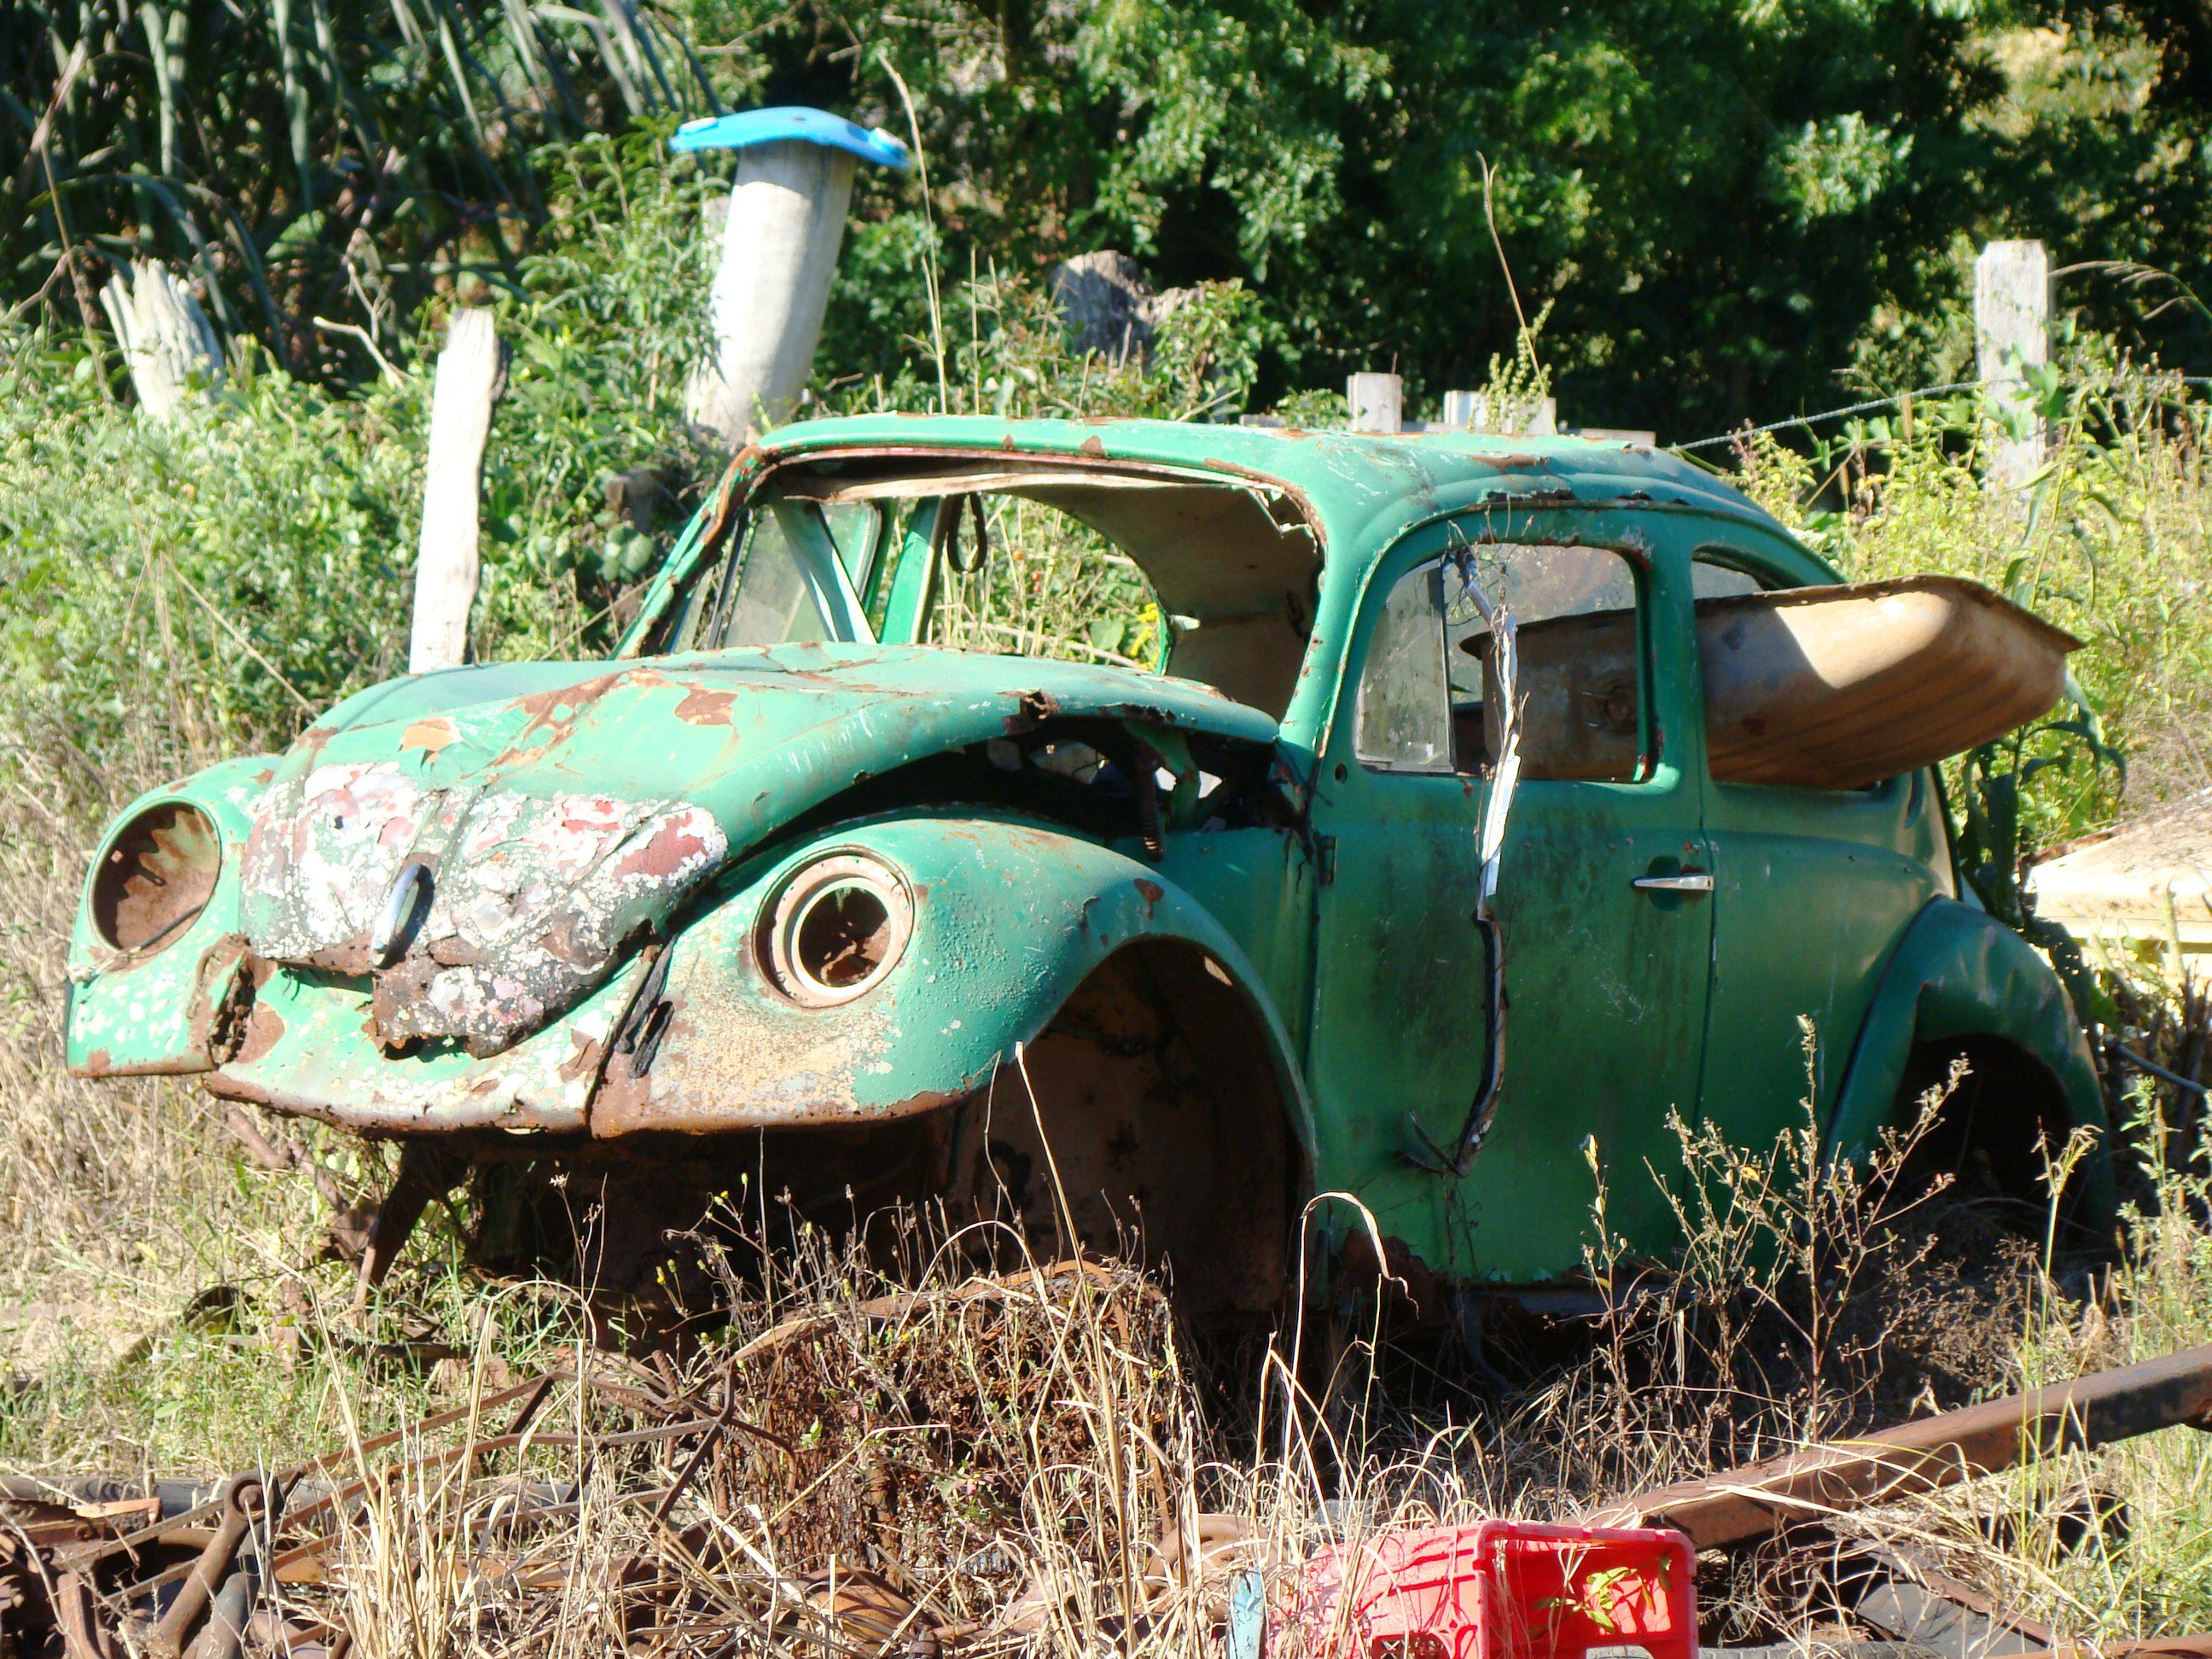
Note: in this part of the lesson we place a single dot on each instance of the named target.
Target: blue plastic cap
(768, 126)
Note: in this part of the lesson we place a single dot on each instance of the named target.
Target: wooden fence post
(166, 338)
(471, 372)
(2012, 328)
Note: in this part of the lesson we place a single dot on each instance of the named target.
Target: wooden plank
(471, 372)
(2012, 329)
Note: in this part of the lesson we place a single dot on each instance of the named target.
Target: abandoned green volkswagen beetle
(1188, 814)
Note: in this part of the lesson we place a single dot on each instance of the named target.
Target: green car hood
(563, 810)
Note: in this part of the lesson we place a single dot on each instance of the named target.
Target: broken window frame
(1442, 760)
(1637, 572)
(709, 607)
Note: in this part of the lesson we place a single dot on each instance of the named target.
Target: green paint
(1345, 920)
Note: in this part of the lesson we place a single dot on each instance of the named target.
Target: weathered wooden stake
(2012, 328)
(166, 340)
(1378, 402)
(471, 372)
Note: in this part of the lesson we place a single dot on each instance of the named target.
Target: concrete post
(1378, 402)
(780, 245)
(779, 252)
(471, 371)
(2012, 327)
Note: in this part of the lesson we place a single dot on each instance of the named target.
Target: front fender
(1959, 973)
(134, 1013)
(1010, 917)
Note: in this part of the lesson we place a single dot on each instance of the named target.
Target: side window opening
(788, 585)
(1024, 577)
(1404, 722)
(1582, 707)
(1716, 574)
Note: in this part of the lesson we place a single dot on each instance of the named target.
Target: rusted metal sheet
(531, 899)
(305, 1045)
(1740, 1505)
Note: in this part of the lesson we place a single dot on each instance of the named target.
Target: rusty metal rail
(1737, 1505)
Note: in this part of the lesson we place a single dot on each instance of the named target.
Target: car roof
(1361, 489)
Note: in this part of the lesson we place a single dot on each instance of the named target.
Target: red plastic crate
(1502, 1589)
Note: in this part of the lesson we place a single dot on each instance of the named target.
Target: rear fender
(1958, 973)
(1009, 918)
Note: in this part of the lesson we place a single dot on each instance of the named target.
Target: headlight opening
(157, 876)
(835, 927)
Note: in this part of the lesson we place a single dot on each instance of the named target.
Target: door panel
(1606, 981)
(1812, 890)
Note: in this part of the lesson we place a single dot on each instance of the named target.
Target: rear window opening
(1150, 570)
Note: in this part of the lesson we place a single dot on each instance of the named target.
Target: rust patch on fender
(701, 707)
(1031, 710)
(585, 1061)
(430, 735)
(264, 1029)
(715, 1068)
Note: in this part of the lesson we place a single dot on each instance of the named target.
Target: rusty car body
(1200, 944)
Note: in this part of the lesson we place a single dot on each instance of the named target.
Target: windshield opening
(1152, 571)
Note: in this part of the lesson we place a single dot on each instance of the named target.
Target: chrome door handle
(1690, 881)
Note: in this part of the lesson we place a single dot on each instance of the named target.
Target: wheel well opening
(1999, 1126)
(1158, 1109)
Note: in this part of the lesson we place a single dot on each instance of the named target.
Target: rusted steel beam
(1740, 1504)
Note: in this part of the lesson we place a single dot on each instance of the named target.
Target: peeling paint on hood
(564, 811)
(532, 899)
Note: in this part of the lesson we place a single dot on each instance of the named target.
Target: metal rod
(1740, 1504)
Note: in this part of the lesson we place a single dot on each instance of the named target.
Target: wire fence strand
(1868, 406)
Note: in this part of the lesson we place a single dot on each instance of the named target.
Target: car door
(1605, 928)
(1814, 888)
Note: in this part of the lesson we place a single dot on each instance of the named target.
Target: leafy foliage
(339, 159)
(1727, 206)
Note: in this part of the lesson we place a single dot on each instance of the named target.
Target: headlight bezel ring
(157, 874)
(835, 927)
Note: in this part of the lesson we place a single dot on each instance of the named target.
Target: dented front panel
(533, 899)
(1008, 918)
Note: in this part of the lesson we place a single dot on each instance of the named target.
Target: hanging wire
(1871, 404)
